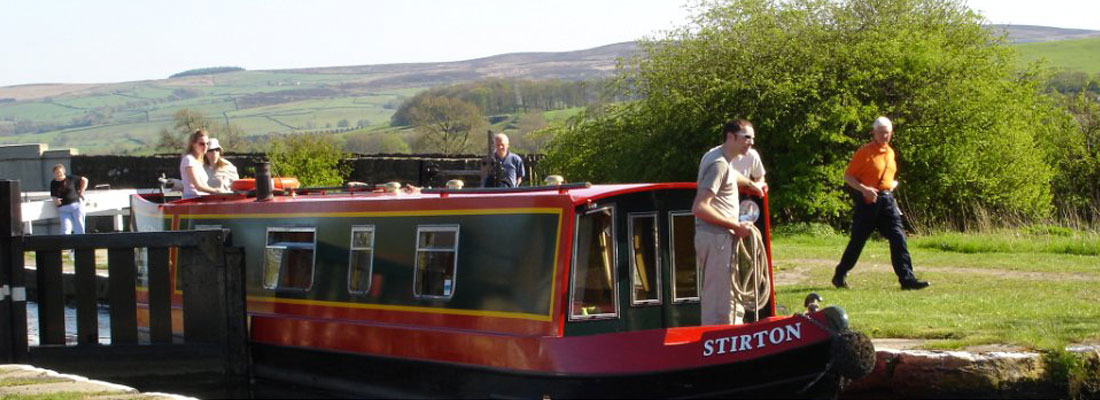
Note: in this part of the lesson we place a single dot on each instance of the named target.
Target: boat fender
(852, 354)
(278, 183)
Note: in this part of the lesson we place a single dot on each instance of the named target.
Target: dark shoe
(914, 284)
(839, 283)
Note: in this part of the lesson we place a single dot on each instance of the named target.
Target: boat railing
(443, 192)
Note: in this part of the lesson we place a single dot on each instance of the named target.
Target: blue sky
(124, 40)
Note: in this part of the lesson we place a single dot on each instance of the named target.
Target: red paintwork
(636, 352)
(244, 185)
(488, 341)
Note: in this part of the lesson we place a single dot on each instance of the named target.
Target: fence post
(13, 292)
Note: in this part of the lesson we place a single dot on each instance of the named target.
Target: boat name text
(758, 340)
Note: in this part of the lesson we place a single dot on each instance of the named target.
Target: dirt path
(797, 270)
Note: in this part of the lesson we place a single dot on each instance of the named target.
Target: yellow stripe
(386, 307)
(433, 310)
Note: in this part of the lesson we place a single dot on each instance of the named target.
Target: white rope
(751, 281)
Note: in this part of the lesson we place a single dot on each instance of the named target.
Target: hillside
(1031, 34)
(1078, 55)
(126, 117)
(118, 118)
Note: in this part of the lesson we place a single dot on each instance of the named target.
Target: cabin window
(594, 272)
(289, 258)
(685, 274)
(436, 261)
(361, 260)
(644, 261)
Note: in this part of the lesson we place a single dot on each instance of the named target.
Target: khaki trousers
(716, 254)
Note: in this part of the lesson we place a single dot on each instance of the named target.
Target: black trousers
(884, 216)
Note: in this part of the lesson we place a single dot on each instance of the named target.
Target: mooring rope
(751, 282)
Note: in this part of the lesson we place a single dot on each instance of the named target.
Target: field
(1081, 55)
(1026, 289)
(126, 118)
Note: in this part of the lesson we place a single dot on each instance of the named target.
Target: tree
(186, 120)
(315, 159)
(377, 143)
(812, 75)
(526, 124)
(445, 123)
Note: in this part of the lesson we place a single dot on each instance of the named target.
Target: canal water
(70, 324)
(258, 389)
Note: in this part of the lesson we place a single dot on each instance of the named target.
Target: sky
(102, 41)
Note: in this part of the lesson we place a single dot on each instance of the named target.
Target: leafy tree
(377, 143)
(315, 159)
(527, 123)
(1076, 156)
(445, 123)
(812, 75)
(186, 120)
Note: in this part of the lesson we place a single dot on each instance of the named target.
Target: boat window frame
(351, 257)
(456, 228)
(672, 260)
(313, 261)
(630, 217)
(614, 267)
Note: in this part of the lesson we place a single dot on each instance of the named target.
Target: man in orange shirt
(871, 173)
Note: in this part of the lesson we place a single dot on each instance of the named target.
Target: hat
(213, 145)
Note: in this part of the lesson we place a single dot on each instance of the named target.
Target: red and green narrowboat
(562, 291)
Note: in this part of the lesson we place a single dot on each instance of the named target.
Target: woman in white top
(220, 171)
(191, 170)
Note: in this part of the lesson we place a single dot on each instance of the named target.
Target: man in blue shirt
(506, 169)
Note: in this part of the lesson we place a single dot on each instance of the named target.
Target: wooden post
(87, 313)
(160, 296)
(122, 290)
(13, 292)
(51, 297)
(202, 269)
(237, 359)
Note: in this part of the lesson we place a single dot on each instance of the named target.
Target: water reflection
(104, 318)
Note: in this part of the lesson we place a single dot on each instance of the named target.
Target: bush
(315, 159)
(812, 76)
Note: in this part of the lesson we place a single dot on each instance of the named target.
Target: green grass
(24, 381)
(135, 112)
(1073, 55)
(1017, 291)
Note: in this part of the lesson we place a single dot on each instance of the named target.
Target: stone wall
(32, 164)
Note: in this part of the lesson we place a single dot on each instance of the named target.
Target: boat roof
(576, 193)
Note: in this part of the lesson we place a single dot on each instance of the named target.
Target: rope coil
(751, 282)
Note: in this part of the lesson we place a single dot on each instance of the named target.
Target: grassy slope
(136, 111)
(1030, 294)
(132, 113)
(1074, 55)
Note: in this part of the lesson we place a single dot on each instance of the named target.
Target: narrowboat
(575, 290)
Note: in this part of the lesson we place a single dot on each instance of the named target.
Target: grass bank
(1034, 288)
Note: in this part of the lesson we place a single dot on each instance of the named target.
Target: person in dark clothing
(506, 168)
(871, 173)
(67, 192)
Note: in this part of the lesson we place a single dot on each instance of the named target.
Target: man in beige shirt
(717, 224)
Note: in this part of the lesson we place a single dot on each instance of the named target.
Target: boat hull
(796, 373)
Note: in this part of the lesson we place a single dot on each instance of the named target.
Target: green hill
(119, 118)
(1072, 55)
